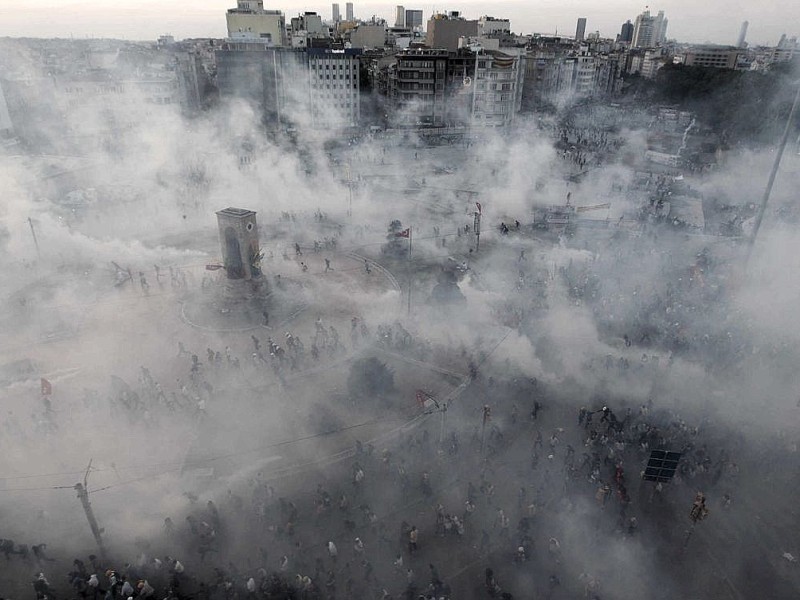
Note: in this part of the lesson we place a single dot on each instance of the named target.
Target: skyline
(147, 19)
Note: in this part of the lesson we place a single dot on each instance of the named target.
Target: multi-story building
(718, 57)
(649, 31)
(250, 20)
(258, 73)
(369, 35)
(334, 89)
(626, 32)
(309, 23)
(785, 51)
(497, 94)
(416, 86)
(491, 27)
(556, 76)
(580, 29)
(192, 79)
(761, 58)
(740, 41)
(645, 61)
(413, 19)
(444, 31)
(400, 17)
(336, 16)
(348, 8)
(470, 87)
(316, 85)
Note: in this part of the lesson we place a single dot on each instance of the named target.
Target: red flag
(421, 397)
(47, 388)
(405, 233)
(480, 210)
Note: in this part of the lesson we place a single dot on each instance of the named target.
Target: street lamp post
(768, 191)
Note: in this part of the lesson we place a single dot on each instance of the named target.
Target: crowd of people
(398, 521)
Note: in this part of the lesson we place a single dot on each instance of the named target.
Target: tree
(397, 243)
(736, 105)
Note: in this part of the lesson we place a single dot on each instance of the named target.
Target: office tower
(580, 30)
(626, 33)
(742, 35)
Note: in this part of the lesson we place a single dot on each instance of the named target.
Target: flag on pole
(480, 210)
(405, 233)
(47, 388)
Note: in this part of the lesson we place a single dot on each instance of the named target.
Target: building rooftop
(235, 212)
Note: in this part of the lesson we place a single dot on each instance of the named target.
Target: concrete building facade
(334, 90)
(445, 30)
(413, 19)
(316, 85)
(649, 31)
(472, 87)
(497, 94)
(416, 86)
(368, 35)
(717, 57)
(740, 42)
(258, 73)
(580, 29)
(626, 32)
(491, 27)
(558, 77)
(250, 20)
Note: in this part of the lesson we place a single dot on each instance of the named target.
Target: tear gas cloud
(665, 322)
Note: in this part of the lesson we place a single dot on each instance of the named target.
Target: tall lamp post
(768, 191)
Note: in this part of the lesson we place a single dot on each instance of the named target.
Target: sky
(689, 20)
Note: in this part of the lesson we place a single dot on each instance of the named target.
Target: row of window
(330, 106)
(332, 86)
(417, 98)
(495, 97)
(416, 64)
(416, 86)
(414, 75)
(506, 87)
(329, 76)
(329, 67)
(496, 75)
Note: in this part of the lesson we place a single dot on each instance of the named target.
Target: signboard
(661, 466)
